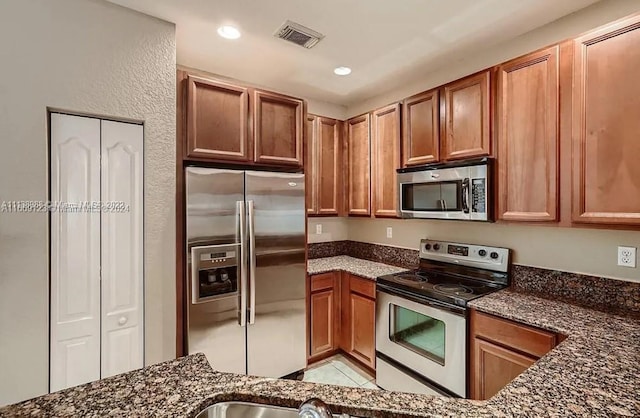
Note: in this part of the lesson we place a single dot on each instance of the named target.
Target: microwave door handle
(465, 195)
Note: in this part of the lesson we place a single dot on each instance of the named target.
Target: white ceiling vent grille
(298, 34)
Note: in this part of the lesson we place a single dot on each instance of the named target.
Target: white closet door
(122, 248)
(75, 252)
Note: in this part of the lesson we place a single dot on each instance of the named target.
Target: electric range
(421, 314)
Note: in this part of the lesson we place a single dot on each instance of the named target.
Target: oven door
(428, 338)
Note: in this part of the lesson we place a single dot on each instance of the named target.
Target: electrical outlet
(389, 232)
(319, 229)
(627, 256)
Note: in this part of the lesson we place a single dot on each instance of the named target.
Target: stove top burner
(451, 288)
(412, 277)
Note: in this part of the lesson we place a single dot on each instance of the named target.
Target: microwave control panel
(478, 193)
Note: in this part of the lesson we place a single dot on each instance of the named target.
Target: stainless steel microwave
(458, 190)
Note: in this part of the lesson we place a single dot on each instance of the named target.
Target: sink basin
(246, 410)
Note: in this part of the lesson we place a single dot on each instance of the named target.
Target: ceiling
(386, 43)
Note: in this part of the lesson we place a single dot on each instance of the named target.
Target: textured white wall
(88, 56)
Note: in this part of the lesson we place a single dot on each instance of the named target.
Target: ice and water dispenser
(214, 271)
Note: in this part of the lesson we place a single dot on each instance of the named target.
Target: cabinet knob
(122, 320)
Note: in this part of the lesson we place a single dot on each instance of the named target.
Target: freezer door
(276, 334)
(216, 218)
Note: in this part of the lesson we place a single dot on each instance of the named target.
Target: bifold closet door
(122, 248)
(97, 250)
(75, 252)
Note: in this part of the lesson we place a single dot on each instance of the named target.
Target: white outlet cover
(627, 257)
(319, 229)
(389, 232)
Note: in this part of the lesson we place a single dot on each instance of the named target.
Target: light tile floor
(338, 370)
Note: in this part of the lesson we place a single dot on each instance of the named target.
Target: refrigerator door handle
(252, 264)
(242, 227)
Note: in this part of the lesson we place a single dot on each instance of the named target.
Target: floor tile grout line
(345, 375)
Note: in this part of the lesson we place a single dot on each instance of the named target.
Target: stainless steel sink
(248, 410)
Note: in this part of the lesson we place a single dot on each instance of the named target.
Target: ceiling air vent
(298, 34)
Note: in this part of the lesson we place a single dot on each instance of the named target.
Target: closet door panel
(75, 252)
(122, 247)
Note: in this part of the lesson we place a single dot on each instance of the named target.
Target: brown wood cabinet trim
(311, 167)
(532, 341)
(336, 175)
(322, 281)
(351, 210)
(482, 78)
(258, 97)
(407, 138)
(378, 171)
(362, 286)
(552, 116)
(579, 212)
(245, 142)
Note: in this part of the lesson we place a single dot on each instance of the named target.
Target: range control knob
(436, 247)
(482, 253)
(494, 255)
(427, 247)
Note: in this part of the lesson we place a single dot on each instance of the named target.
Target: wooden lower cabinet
(495, 367)
(342, 311)
(359, 319)
(324, 314)
(500, 350)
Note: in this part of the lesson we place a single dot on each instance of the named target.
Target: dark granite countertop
(594, 372)
(359, 267)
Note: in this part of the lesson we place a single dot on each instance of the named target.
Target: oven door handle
(456, 310)
(465, 195)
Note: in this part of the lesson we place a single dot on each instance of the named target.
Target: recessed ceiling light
(229, 32)
(342, 70)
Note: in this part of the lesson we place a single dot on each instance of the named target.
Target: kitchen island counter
(594, 372)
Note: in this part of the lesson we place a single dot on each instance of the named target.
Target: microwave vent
(298, 34)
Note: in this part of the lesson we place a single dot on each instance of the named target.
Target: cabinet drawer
(322, 281)
(523, 338)
(364, 287)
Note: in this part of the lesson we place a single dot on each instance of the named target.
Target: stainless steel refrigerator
(246, 271)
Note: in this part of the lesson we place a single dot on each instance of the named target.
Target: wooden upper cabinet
(217, 120)
(527, 137)
(358, 149)
(606, 125)
(421, 129)
(278, 128)
(385, 151)
(310, 164)
(329, 171)
(466, 117)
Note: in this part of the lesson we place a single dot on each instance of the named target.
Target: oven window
(418, 332)
(432, 197)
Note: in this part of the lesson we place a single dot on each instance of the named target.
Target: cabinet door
(324, 313)
(122, 257)
(421, 129)
(329, 176)
(527, 124)
(310, 164)
(385, 160)
(362, 329)
(75, 252)
(467, 117)
(606, 126)
(278, 128)
(359, 185)
(322, 321)
(217, 121)
(494, 367)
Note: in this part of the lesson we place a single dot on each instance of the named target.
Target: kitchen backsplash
(614, 296)
(394, 256)
(603, 294)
